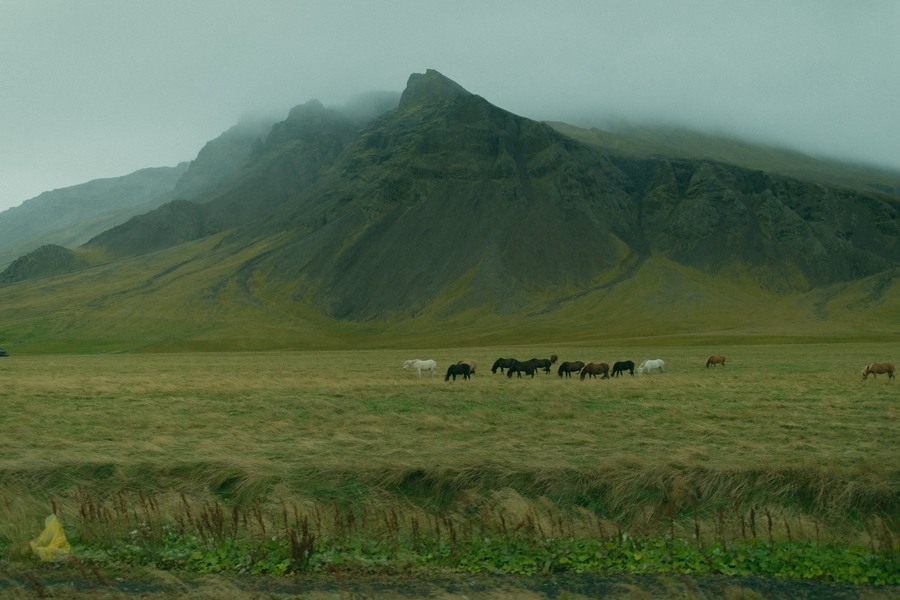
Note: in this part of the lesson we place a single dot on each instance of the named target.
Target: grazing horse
(715, 359)
(518, 366)
(472, 364)
(648, 365)
(594, 369)
(502, 363)
(458, 369)
(420, 365)
(569, 367)
(542, 363)
(876, 369)
(621, 366)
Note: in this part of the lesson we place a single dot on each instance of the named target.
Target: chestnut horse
(594, 369)
(876, 369)
(715, 359)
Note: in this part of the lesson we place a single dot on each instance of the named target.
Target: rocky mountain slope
(71, 216)
(449, 201)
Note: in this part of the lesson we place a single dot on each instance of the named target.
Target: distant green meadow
(344, 456)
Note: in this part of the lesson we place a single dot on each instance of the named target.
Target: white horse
(649, 365)
(420, 365)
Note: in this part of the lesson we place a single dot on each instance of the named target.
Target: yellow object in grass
(52, 543)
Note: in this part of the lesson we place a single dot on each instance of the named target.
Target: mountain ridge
(447, 207)
(71, 216)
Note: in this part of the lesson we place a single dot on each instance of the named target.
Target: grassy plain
(786, 441)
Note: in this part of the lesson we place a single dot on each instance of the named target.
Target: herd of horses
(565, 369)
(512, 366)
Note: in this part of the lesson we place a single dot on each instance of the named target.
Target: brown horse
(715, 359)
(569, 367)
(594, 369)
(876, 369)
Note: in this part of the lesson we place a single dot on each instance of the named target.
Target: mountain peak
(431, 88)
(310, 110)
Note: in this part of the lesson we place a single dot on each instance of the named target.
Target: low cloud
(104, 88)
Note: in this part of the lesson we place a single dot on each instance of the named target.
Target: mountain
(71, 216)
(645, 141)
(447, 211)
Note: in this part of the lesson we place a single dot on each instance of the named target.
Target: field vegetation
(781, 463)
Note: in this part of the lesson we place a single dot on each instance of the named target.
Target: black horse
(502, 363)
(620, 367)
(543, 363)
(462, 369)
(518, 367)
(569, 367)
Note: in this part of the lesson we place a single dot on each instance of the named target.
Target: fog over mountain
(104, 88)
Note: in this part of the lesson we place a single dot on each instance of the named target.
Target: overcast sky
(101, 88)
